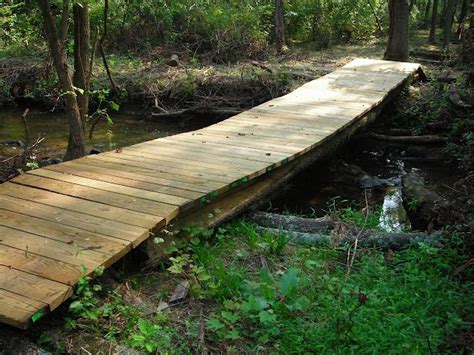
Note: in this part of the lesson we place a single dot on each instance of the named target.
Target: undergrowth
(252, 292)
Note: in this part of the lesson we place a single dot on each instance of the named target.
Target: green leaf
(114, 106)
(76, 306)
(214, 324)
(233, 335)
(143, 325)
(255, 304)
(288, 282)
(150, 347)
(229, 316)
(267, 317)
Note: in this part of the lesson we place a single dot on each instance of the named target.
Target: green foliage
(419, 105)
(19, 28)
(361, 218)
(85, 300)
(150, 337)
(308, 303)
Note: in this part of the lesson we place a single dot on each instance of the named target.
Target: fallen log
(426, 139)
(224, 112)
(293, 223)
(366, 240)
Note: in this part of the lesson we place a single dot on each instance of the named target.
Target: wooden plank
(34, 287)
(305, 141)
(275, 145)
(263, 132)
(75, 219)
(295, 121)
(382, 66)
(280, 128)
(83, 169)
(220, 149)
(146, 175)
(84, 240)
(211, 170)
(35, 244)
(57, 172)
(272, 147)
(116, 214)
(110, 198)
(38, 265)
(169, 171)
(171, 151)
(317, 103)
(313, 111)
(190, 161)
(17, 310)
(301, 121)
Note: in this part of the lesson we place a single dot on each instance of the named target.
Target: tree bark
(443, 12)
(434, 21)
(426, 17)
(76, 146)
(385, 241)
(292, 223)
(81, 58)
(448, 18)
(102, 43)
(279, 26)
(397, 48)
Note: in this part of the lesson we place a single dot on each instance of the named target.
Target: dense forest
(366, 246)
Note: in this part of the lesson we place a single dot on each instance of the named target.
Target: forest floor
(250, 291)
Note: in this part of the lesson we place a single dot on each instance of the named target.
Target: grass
(248, 297)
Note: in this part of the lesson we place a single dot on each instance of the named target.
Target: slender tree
(397, 48)
(426, 17)
(81, 58)
(464, 11)
(434, 21)
(448, 18)
(279, 26)
(57, 43)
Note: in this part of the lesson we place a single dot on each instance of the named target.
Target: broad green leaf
(288, 282)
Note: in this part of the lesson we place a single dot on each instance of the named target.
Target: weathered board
(92, 211)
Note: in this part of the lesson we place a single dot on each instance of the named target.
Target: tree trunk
(448, 22)
(397, 48)
(434, 20)
(81, 58)
(76, 146)
(443, 12)
(279, 26)
(426, 17)
(464, 11)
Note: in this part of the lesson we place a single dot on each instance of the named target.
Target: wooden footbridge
(90, 212)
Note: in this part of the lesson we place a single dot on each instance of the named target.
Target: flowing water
(127, 129)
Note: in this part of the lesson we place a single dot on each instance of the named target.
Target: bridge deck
(92, 211)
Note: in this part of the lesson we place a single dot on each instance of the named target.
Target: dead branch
(27, 129)
(426, 139)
